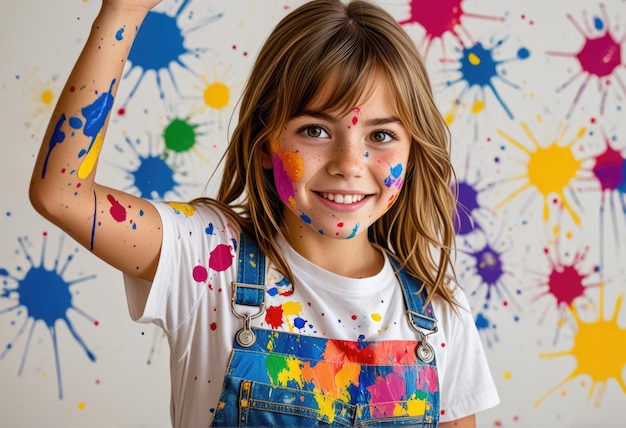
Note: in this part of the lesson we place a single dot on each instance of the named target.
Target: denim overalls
(283, 379)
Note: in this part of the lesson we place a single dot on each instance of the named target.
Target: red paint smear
(118, 212)
(213, 326)
(355, 120)
(401, 351)
(274, 316)
(340, 224)
(220, 258)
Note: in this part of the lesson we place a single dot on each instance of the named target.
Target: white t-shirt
(190, 299)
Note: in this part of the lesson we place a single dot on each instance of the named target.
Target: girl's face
(339, 174)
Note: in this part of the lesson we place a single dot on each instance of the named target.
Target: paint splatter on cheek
(284, 186)
(118, 212)
(394, 179)
(288, 168)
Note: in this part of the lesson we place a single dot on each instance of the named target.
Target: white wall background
(544, 266)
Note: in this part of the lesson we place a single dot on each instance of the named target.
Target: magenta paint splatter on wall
(610, 172)
(599, 59)
(439, 18)
(564, 282)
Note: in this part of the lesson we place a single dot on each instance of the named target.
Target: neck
(352, 258)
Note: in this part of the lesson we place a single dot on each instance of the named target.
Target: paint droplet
(81, 405)
(507, 375)
(376, 317)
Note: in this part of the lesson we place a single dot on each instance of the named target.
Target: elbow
(42, 199)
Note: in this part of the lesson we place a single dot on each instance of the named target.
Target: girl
(338, 176)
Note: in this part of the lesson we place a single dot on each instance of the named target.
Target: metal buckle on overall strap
(425, 351)
(415, 298)
(249, 289)
(250, 295)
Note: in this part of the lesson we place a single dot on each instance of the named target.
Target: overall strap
(249, 289)
(250, 271)
(420, 316)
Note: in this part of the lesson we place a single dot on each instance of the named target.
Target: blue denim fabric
(363, 384)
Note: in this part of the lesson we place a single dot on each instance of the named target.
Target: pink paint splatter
(118, 212)
(220, 258)
(284, 185)
(200, 274)
(384, 394)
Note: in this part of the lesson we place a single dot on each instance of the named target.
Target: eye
(383, 137)
(313, 131)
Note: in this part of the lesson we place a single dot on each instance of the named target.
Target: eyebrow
(333, 119)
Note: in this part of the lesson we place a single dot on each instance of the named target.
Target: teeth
(342, 199)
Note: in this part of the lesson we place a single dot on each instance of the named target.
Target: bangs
(339, 91)
(333, 76)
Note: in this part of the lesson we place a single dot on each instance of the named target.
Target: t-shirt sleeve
(466, 384)
(189, 234)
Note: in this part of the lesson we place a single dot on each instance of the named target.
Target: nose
(347, 159)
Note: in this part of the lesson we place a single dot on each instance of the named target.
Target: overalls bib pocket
(288, 380)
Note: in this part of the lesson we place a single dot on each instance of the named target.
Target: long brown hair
(346, 43)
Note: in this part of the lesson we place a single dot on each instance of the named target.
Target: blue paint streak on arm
(95, 220)
(57, 137)
(96, 115)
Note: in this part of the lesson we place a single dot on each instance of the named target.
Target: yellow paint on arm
(91, 158)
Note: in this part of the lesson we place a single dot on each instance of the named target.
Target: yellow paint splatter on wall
(598, 350)
(542, 173)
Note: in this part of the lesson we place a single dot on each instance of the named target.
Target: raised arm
(123, 230)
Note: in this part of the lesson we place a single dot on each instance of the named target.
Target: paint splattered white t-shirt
(190, 299)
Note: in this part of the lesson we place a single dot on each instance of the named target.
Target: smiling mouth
(341, 198)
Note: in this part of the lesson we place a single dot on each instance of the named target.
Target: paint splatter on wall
(534, 98)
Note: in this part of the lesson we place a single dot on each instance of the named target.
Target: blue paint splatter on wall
(479, 69)
(46, 298)
(159, 44)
